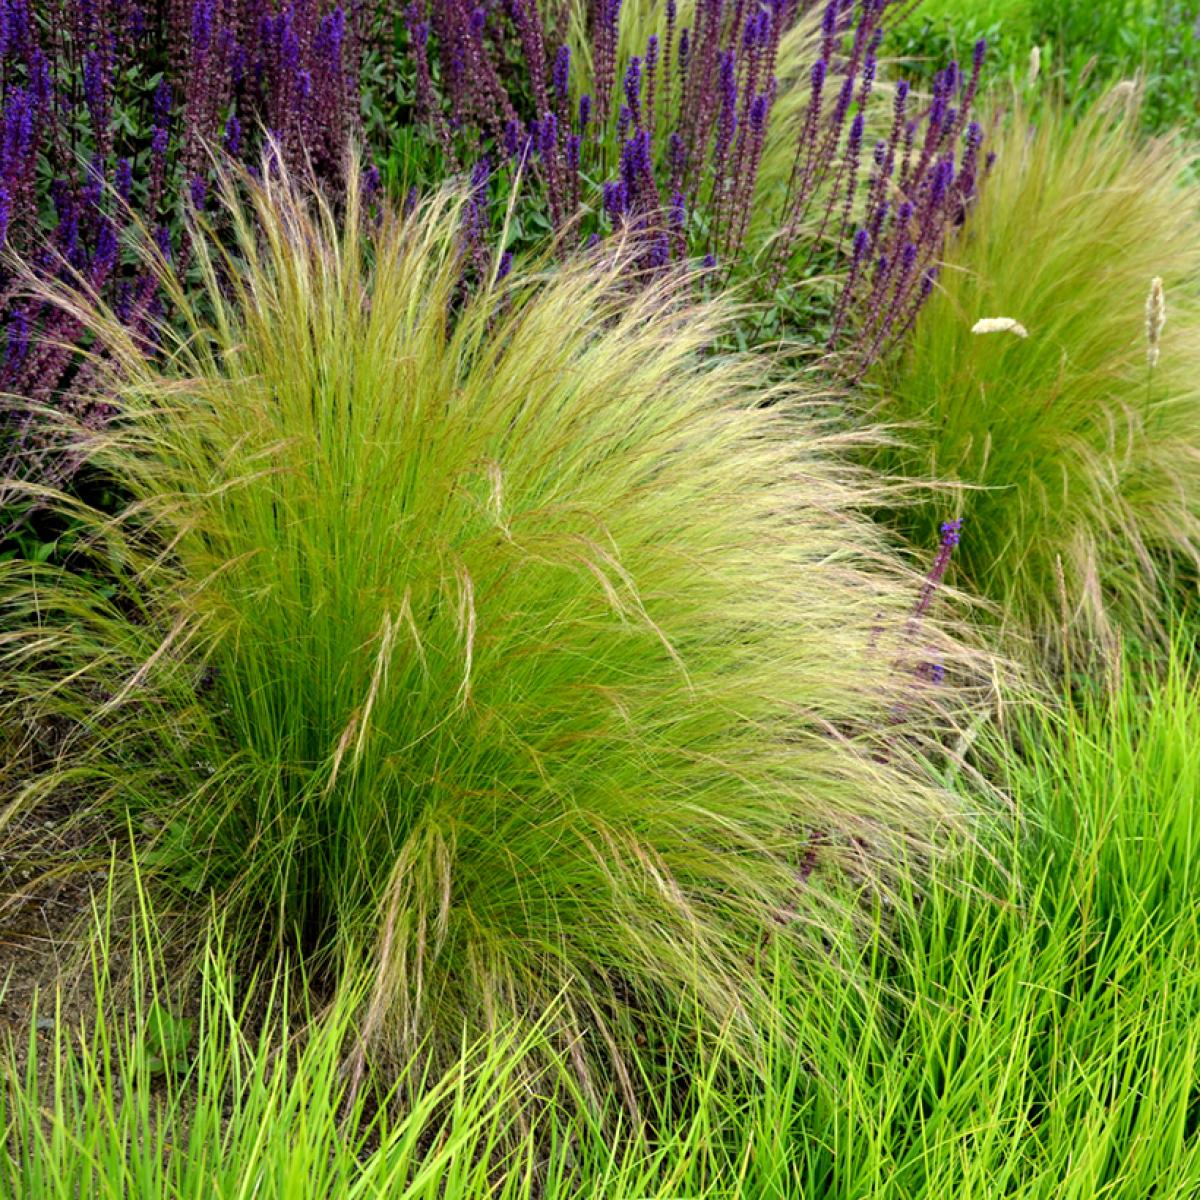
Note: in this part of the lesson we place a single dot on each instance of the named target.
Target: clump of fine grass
(1073, 459)
(507, 640)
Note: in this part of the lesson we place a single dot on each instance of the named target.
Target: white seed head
(999, 325)
(1035, 64)
(1123, 94)
(1156, 318)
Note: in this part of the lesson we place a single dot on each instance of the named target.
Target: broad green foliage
(523, 648)
(1075, 465)
(1084, 48)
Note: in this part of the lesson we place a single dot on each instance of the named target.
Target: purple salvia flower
(17, 342)
(202, 26)
(562, 72)
(547, 134)
(233, 135)
(514, 138)
(585, 111)
(758, 114)
(123, 179)
(633, 88)
(613, 199)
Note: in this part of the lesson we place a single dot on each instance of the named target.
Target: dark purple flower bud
(94, 90)
(652, 52)
(162, 104)
(904, 214)
(951, 532)
(819, 68)
(17, 343)
(562, 71)
(613, 197)
(675, 153)
(548, 134)
(107, 248)
(829, 20)
(202, 23)
(504, 266)
(677, 214)
(198, 191)
(685, 46)
(979, 54)
(901, 99)
(233, 135)
(572, 151)
(123, 179)
(162, 239)
(5, 211)
(633, 85)
(862, 243)
(624, 117)
(710, 261)
(481, 173)
(514, 138)
(856, 132)
(331, 35)
(478, 22)
(585, 111)
(943, 177)
(974, 135)
(758, 114)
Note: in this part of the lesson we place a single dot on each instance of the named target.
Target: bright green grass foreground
(1035, 1033)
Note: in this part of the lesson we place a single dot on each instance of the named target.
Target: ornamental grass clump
(508, 639)
(1073, 448)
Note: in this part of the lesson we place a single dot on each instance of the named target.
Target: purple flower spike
(562, 72)
(633, 86)
(233, 135)
(123, 179)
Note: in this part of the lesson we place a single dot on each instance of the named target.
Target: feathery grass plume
(507, 635)
(1073, 478)
(1156, 318)
(999, 325)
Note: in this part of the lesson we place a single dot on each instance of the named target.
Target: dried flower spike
(999, 325)
(1156, 318)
